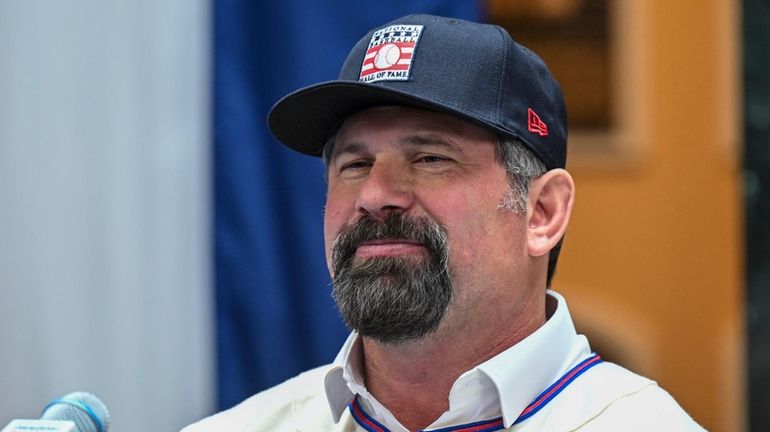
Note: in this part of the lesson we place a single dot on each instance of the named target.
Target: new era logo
(535, 125)
(390, 52)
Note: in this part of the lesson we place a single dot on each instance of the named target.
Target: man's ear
(550, 205)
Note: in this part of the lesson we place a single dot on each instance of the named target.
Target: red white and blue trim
(557, 387)
(372, 425)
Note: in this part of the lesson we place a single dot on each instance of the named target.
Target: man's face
(415, 234)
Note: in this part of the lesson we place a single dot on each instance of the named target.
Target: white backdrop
(104, 198)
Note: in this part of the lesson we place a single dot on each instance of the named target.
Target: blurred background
(159, 249)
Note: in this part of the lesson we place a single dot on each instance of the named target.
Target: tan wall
(652, 265)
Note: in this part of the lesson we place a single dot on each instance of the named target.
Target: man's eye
(354, 165)
(432, 159)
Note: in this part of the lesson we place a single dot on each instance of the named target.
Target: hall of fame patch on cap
(390, 53)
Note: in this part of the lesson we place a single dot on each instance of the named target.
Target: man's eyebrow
(349, 147)
(410, 140)
(431, 140)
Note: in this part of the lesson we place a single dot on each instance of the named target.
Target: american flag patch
(390, 53)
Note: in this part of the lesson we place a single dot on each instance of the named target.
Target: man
(445, 147)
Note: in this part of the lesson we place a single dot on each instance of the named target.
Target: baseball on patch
(387, 56)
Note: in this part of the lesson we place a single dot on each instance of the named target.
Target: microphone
(75, 412)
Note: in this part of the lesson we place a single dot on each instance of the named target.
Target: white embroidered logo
(390, 53)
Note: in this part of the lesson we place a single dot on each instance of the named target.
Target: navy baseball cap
(469, 70)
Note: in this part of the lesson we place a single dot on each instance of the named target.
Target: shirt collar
(523, 371)
(518, 374)
(337, 381)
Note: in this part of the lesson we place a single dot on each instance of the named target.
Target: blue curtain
(275, 315)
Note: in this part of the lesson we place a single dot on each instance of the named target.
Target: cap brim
(304, 119)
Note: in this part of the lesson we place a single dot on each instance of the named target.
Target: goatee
(392, 299)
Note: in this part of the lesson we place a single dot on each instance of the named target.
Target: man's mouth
(389, 248)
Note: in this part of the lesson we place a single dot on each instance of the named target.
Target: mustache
(418, 229)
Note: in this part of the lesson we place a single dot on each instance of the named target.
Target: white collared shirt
(502, 386)
(546, 367)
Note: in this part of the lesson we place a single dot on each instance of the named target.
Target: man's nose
(387, 189)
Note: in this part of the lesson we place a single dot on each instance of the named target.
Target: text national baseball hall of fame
(390, 53)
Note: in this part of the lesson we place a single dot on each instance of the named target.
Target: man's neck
(413, 379)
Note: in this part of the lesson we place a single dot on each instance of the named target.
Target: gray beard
(392, 299)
